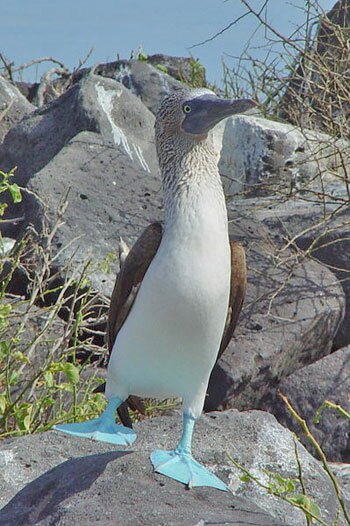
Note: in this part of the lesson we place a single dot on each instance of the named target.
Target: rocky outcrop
(307, 389)
(97, 105)
(118, 140)
(322, 230)
(97, 142)
(13, 106)
(188, 70)
(150, 79)
(93, 148)
(55, 479)
(262, 157)
(146, 79)
(291, 313)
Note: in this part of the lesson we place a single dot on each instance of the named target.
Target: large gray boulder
(121, 142)
(322, 229)
(261, 157)
(148, 82)
(13, 106)
(95, 104)
(150, 78)
(291, 313)
(55, 479)
(307, 389)
(110, 195)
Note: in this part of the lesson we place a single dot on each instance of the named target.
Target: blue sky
(67, 29)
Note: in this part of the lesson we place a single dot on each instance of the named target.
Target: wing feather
(124, 293)
(237, 292)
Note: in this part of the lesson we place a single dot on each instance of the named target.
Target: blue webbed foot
(103, 428)
(181, 466)
(100, 429)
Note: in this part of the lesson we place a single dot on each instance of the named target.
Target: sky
(68, 29)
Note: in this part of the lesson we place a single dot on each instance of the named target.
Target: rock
(292, 310)
(28, 90)
(6, 245)
(307, 389)
(187, 70)
(56, 479)
(13, 106)
(120, 126)
(342, 472)
(331, 246)
(147, 82)
(261, 157)
(110, 196)
(150, 79)
(323, 228)
(300, 180)
(95, 104)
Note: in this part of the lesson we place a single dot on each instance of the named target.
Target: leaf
(13, 378)
(4, 349)
(315, 509)
(3, 403)
(48, 401)
(48, 377)
(162, 68)
(5, 309)
(27, 422)
(72, 372)
(142, 57)
(15, 193)
(65, 386)
(245, 478)
(18, 355)
(307, 503)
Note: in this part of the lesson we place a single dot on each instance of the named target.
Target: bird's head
(194, 112)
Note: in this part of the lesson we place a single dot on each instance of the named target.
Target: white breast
(169, 342)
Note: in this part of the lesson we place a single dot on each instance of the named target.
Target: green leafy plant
(12, 188)
(42, 379)
(105, 264)
(50, 339)
(285, 489)
(162, 68)
(292, 490)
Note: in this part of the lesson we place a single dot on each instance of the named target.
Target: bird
(180, 288)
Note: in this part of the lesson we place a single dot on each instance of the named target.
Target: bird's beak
(208, 111)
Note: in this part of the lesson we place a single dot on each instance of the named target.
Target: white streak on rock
(141, 158)
(105, 99)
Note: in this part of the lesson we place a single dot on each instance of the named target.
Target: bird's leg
(180, 465)
(104, 428)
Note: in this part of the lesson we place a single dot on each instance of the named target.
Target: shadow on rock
(43, 495)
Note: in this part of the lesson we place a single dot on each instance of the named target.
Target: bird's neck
(193, 193)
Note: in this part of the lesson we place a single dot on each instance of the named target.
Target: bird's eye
(187, 108)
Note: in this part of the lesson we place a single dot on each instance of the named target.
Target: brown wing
(237, 293)
(124, 293)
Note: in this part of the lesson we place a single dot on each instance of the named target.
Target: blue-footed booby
(165, 341)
